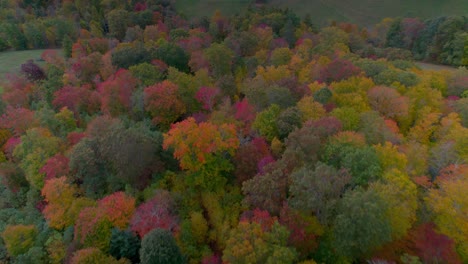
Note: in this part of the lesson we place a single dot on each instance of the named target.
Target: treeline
(252, 139)
(27, 25)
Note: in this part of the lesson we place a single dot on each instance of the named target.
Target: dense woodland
(257, 138)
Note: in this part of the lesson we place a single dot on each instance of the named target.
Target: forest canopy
(143, 136)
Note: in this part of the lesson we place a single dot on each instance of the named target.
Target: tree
(124, 244)
(92, 255)
(388, 102)
(337, 70)
(37, 145)
(267, 191)
(148, 74)
(433, 247)
(62, 207)
(93, 229)
(163, 102)
(118, 207)
(80, 100)
(318, 190)
(251, 242)
(159, 246)
(400, 195)
(198, 144)
(265, 122)
(118, 22)
(156, 213)
(55, 167)
(18, 120)
(361, 225)
(172, 55)
(32, 71)
(220, 59)
(449, 204)
(116, 92)
(19, 238)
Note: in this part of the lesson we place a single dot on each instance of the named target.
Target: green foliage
(172, 55)
(361, 225)
(19, 238)
(124, 244)
(248, 243)
(146, 73)
(159, 246)
(265, 122)
(118, 22)
(127, 55)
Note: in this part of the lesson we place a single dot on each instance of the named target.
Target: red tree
(17, 119)
(155, 213)
(116, 92)
(56, 166)
(433, 247)
(163, 102)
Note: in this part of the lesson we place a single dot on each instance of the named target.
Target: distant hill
(362, 12)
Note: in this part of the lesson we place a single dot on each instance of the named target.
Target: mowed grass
(435, 67)
(362, 12)
(199, 8)
(10, 61)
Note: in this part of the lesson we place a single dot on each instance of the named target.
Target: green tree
(361, 225)
(118, 22)
(159, 246)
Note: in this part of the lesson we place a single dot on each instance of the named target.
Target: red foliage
(17, 119)
(301, 236)
(77, 99)
(116, 92)
(155, 213)
(248, 159)
(75, 137)
(326, 126)
(337, 70)
(140, 7)
(213, 259)
(452, 171)
(207, 96)
(17, 91)
(55, 167)
(162, 100)
(10, 145)
(259, 216)
(433, 247)
(245, 112)
(118, 207)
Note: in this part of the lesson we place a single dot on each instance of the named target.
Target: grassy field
(363, 12)
(435, 67)
(199, 8)
(10, 61)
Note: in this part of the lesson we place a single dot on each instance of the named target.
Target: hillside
(362, 12)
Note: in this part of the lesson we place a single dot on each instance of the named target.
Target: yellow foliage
(390, 157)
(199, 227)
(309, 109)
(424, 128)
(272, 73)
(354, 84)
(450, 206)
(400, 196)
(353, 100)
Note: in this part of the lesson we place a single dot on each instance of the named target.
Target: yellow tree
(449, 203)
(400, 195)
(62, 207)
(198, 144)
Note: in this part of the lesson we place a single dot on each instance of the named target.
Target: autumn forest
(141, 135)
